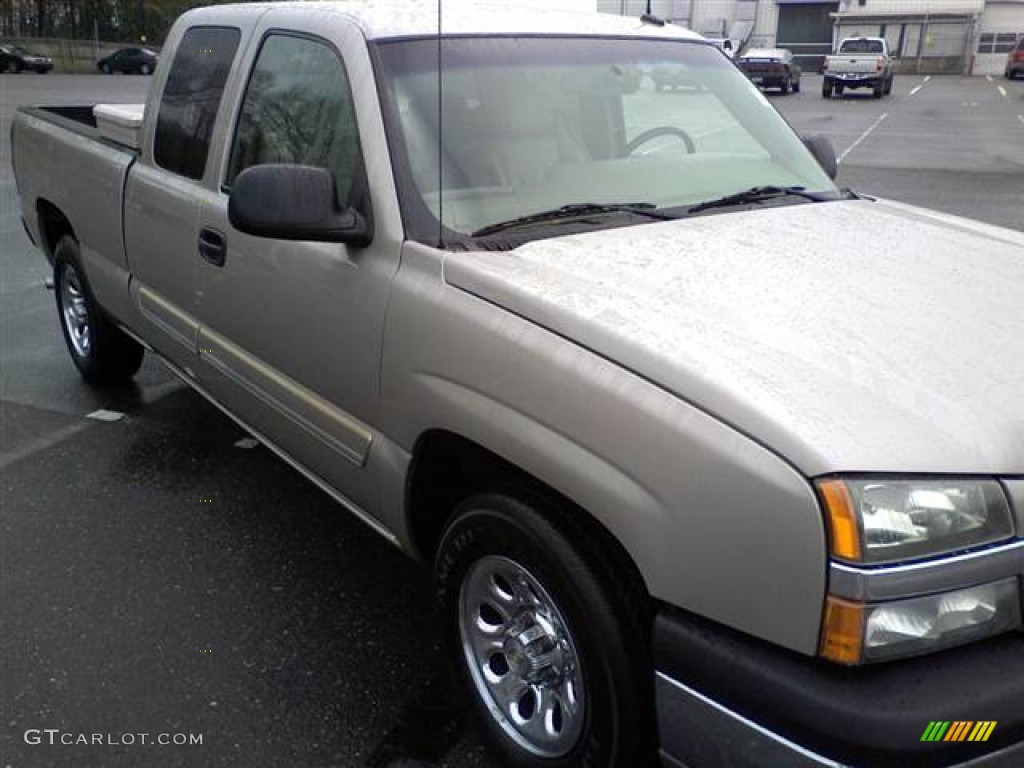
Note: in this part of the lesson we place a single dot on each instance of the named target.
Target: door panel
(163, 192)
(291, 332)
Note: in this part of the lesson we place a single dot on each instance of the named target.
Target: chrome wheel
(75, 311)
(521, 657)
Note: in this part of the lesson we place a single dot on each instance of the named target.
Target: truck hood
(847, 336)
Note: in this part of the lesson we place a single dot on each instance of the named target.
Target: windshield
(533, 124)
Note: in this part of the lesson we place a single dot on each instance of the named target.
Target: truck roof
(383, 19)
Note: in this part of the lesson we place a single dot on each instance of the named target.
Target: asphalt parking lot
(955, 144)
(160, 575)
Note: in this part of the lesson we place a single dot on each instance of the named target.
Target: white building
(931, 36)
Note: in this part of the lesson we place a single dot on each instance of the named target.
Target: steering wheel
(661, 130)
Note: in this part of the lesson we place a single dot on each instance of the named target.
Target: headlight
(856, 632)
(878, 520)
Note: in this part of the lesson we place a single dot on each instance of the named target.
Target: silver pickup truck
(859, 62)
(713, 462)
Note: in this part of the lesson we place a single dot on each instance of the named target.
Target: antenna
(440, 132)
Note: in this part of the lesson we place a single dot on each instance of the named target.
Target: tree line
(109, 20)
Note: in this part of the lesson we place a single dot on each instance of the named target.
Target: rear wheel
(13, 67)
(888, 85)
(826, 90)
(785, 86)
(102, 352)
(878, 89)
(839, 89)
(548, 637)
(106, 69)
(796, 85)
(145, 69)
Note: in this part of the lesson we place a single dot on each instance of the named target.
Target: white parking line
(989, 78)
(927, 78)
(104, 415)
(1003, 92)
(41, 443)
(861, 138)
(1021, 118)
(915, 89)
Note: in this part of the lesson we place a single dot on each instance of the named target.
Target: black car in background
(771, 68)
(131, 61)
(14, 59)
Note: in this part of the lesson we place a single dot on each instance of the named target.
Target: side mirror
(293, 202)
(823, 151)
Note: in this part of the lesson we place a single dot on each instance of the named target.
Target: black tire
(784, 88)
(14, 67)
(106, 69)
(839, 90)
(145, 69)
(888, 85)
(796, 85)
(826, 90)
(878, 89)
(601, 608)
(103, 353)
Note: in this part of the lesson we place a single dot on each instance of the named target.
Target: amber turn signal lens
(842, 520)
(842, 632)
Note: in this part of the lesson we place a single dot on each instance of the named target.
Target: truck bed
(78, 119)
(62, 163)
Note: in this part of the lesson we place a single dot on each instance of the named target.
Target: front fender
(716, 523)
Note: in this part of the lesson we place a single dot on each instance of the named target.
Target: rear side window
(298, 109)
(191, 97)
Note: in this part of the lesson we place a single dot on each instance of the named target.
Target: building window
(998, 42)
(1005, 42)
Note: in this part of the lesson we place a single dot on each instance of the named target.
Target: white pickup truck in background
(859, 62)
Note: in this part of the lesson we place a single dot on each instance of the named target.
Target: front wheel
(547, 636)
(145, 69)
(106, 69)
(796, 85)
(784, 88)
(102, 352)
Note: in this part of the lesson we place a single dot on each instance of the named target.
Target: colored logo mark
(958, 730)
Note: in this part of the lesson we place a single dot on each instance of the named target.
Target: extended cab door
(291, 332)
(163, 191)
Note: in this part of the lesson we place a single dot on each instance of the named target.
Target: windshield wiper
(574, 210)
(756, 194)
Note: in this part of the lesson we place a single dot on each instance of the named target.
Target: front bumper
(725, 699)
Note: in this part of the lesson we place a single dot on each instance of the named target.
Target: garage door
(806, 30)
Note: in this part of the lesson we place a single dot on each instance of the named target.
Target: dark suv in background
(141, 61)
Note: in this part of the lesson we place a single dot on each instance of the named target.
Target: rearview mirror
(293, 202)
(823, 151)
